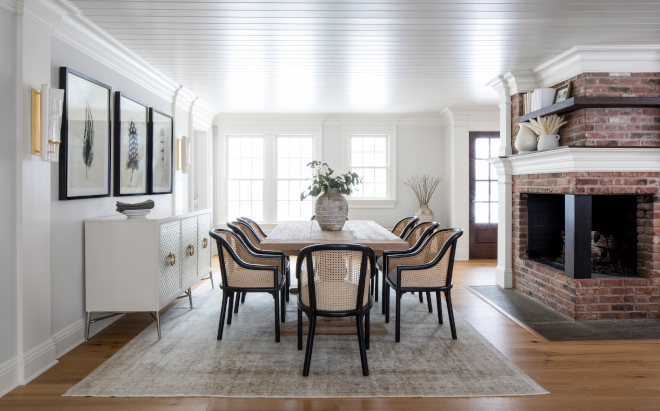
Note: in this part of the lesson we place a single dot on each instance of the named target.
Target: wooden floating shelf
(577, 103)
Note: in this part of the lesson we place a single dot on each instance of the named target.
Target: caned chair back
(419, 232)
(234, 256)
(335, 277)
(253, 224)
(403, 226)
(252, 237)
(437, 255)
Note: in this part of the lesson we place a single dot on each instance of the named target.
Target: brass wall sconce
(183, 154)
(47, 109)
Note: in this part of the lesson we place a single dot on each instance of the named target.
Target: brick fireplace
(636, 294)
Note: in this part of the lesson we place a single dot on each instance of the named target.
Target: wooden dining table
(292, 236)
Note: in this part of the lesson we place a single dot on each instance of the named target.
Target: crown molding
(513, 82)
(13, 6)
(464, 116)
(598, 59)
(66, 22)
(422, 120)
(270, 119)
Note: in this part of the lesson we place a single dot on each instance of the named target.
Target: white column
(504, 270)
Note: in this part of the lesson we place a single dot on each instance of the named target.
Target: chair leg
(363, 351)
(428, 300)
(450, 313)
(300, 333)
(288, 283)
(223, 312)
(231, 304)
(310, 343)
(387, 304)
(243, 297)
(190, 297)
(367, 328)
(376, 287)
(277, 315)
(397, 337)
(384, 295)
(283, 294)
(439, 301)
(421, 297)
(238, 301)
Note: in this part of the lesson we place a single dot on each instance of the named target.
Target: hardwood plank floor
(591, 375)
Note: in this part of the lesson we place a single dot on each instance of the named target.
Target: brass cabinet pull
(191, 250)
(205, 242)
(172, 259)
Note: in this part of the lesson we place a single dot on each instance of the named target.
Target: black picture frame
(154, 162)
(118, 148)
(560, 95)
(72, 82)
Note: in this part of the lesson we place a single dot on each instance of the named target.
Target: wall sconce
(178, 154)
(47, 108)
(185, 154)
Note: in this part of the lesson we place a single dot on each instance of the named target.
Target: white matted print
(85, 157)
(162, 145)
(131, 121)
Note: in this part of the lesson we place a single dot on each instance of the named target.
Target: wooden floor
(594, 375)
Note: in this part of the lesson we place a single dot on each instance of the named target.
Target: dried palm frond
(88, 139)
(423, 187)
(133, 162)
(546, 125)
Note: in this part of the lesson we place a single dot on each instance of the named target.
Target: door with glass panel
(483, 195)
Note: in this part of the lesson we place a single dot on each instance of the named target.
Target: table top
(291, 236)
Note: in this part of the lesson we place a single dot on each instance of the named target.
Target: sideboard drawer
(204, 242)
(189, 250)
(170, 260)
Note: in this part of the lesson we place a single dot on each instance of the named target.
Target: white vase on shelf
(548, 142)
(525, 140)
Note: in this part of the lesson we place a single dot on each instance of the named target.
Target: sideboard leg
(211, 277)
(190, 297)
(89, 320)
(158, 323)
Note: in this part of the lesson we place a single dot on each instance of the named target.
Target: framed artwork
(161, 137)
(85, 152)
(131, 128)
(563, 93)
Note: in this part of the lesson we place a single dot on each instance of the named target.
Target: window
(293, 154)
(485, 185)
(245, 177)
(264, 175)
(368, 152)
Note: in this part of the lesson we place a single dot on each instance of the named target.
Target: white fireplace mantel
(580, 159)
(559, 160)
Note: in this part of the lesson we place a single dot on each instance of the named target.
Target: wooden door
(483, 195)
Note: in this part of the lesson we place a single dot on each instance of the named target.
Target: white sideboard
(134, 265)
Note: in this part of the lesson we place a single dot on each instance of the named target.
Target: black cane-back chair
(246, 272)
(427, 269)
(256, 227)
(333, 282)
(404, 225)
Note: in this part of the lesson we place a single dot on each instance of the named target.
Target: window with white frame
(368, 152)
(265, 175)
(245, 176)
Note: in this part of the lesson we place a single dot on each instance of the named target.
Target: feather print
(133, 157)
(162, 147)
(88, 140)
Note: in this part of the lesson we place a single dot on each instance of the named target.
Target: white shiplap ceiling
(361, 56)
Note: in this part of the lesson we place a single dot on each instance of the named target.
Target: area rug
(189, 362)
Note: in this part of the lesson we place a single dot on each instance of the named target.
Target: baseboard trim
(69, 338)
(461, 255)
(8, 376)
(36, 361)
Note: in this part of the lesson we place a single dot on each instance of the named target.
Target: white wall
(8, 165)
(67, 240)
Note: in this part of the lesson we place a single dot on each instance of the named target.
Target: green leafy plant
(324, 180)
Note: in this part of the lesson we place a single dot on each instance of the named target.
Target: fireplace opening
(602, 233)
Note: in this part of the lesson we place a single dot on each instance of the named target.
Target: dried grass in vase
(546, 125)
(423, 187)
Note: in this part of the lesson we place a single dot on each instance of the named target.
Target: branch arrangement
(324, 181)
(423, 187)
(546, 125)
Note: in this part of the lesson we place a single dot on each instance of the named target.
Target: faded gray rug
(188, 361)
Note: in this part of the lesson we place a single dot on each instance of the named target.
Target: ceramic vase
(424, 213)
(548, 141)
(526, 140)
(331, 212)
